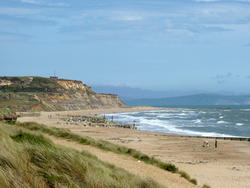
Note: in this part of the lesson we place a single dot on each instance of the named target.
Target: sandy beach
(226, 166)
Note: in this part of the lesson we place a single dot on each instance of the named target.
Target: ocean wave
(211, 119)
(178, 122)
(221, 122)
(239, 124)
(175, 130)
(202, 112)
(167, 127)
(182, 114)
(197, 121)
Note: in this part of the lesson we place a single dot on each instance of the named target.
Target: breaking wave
(195, 122)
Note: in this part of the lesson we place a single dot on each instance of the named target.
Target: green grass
(38, 84)
(27, 159)
(104, 145)
(187, 176)
(22, 137)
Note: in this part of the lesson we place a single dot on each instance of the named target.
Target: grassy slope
(29, 160)
(104, 145)
(38, 84)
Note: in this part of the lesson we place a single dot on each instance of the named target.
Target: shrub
(169, 167)
(205, 186)
(184, 175)
(194, 181)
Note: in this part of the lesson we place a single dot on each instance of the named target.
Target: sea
(206, 121)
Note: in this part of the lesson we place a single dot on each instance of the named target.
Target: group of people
(206, 144)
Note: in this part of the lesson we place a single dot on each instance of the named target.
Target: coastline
(226, 166)
(29, 116)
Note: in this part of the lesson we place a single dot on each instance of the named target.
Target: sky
(184, 45)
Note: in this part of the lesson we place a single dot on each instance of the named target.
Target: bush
(205, 186)
(194, 181)
(169, 167)
(187, 177)
(184, 175)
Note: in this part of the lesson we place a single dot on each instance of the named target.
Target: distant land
(137, 96)
(192, 100)
(127, 92)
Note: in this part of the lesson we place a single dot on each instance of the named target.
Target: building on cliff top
(53, 77)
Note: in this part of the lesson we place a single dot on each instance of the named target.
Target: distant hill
(126, 92)
(51, 94)
(200, 99)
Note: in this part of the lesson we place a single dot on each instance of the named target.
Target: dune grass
(27, 159)
(104, 145)
(206, 186)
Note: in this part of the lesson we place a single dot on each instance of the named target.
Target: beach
(226, 166)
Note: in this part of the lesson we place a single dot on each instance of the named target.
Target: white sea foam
(211, 119)
(182, 114)
(164, 126)
(175, 122)
(221, 122)
(168, 128)
(197, 121)
(165, 116)
(245, 110)
(239, 124)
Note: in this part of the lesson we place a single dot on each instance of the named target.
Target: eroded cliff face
(110, 100)
(36, 93)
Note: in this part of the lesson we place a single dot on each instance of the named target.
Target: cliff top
(38, 84)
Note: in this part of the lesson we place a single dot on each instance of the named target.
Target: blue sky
(191, 45)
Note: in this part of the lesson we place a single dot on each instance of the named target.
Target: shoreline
(104, 111)
(236, 138)
(225, 166)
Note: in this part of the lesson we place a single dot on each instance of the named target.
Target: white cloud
(125, 16)
(58, 4)
(18, 11)
(206, 0)
(46, 3)
(111, 15)
(30, 1)
(130, 18)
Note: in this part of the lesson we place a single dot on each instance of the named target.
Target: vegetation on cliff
(30, 84)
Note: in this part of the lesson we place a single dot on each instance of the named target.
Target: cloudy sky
(153, 44)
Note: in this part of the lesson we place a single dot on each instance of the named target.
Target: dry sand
(133, 166)
(228, 166)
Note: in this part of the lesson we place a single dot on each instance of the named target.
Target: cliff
(51, 94)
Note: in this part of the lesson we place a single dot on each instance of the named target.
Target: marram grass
(104, 145)
(30, 160)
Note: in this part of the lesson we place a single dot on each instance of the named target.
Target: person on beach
(215, 143)
(205, 143)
